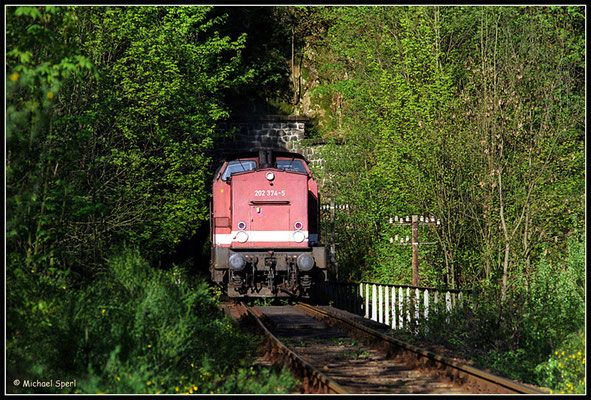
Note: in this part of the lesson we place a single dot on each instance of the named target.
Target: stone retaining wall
(269, 132)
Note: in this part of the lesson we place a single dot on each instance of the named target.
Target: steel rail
(482, 380)
(312, 377)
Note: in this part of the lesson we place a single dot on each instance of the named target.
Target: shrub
(535, 336)
(141, 330)
(564, 371)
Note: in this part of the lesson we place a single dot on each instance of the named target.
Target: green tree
(39, 63)
(470, 113)
(526, 103)
(164, 72)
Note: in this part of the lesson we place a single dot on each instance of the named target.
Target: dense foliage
(537, 336)
(474, 115)
(466, 113)
(135, 329)
(110, 114)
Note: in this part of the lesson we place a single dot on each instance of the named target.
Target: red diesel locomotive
(265, 226)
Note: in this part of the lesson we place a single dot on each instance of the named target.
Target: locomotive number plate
(269, 193)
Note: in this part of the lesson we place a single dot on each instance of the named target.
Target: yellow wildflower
(104, 310)
(50, 95)
(14, 77)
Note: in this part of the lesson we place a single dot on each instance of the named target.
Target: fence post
(358, 298)
(407, 302)
(367, 300)
(380, 305)
(386, 306)
(374, 303)
(393, 307)
(360, 303)
(400, 302)
(426, 302)
(447, 306)
(417, 302)
(436, 301)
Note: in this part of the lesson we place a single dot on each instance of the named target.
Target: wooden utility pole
(414, 221)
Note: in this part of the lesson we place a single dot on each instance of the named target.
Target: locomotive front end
(265, 227)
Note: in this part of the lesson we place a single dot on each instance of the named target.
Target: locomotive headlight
(241, 226)
(298, 226)
(299, 236)
(237, 262)
(270, 176)
(305, 262)
(242, 236)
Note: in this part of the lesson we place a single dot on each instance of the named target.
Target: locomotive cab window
(291, 165)
(238, 166)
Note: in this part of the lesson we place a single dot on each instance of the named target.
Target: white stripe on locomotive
(258, 236)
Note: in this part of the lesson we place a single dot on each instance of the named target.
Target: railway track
(312, 379)
(332, 353)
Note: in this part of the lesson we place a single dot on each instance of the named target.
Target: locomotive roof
(248, 154)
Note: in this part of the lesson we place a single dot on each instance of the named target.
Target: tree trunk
(507, 239)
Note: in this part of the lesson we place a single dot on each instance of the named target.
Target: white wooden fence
(397, 306)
